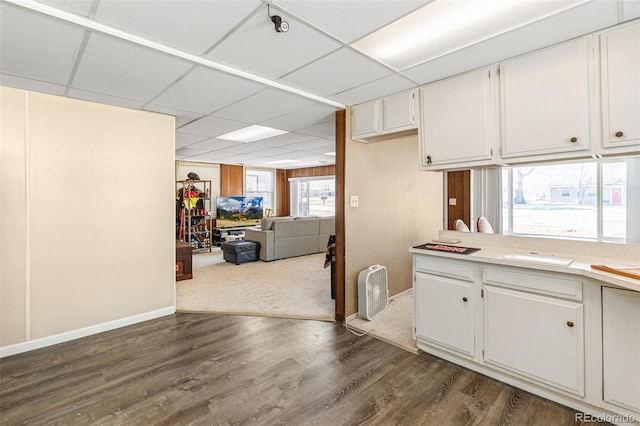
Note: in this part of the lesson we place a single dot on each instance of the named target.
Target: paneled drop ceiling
(219, 66)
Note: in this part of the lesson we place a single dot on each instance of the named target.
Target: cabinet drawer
(531, 281)
(444, 268)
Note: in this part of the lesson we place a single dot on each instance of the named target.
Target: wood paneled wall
(282, 193)
(231, 180)
(459, 188)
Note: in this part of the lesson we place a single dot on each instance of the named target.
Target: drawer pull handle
(619, 134)
(574, 139)
(570, 323)
(464, 299)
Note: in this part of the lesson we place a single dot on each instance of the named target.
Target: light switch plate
(452, 201)
(354, 201)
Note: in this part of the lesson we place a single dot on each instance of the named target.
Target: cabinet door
(364, 119)
(545, 101)
(456, 119)
(621, 347)
(536, 336)
(445, 313)
(620, 67)
(398, 111)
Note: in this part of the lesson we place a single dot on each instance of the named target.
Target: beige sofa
(282, 237)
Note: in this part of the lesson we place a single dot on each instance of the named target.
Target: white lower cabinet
(535, 336)
(621, 347)
(446, 313)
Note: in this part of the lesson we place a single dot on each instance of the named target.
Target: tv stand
(222, 235)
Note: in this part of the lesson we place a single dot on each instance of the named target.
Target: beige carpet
(298, 287)
(394, 325)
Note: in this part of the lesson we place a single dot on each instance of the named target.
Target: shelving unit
(193, 213)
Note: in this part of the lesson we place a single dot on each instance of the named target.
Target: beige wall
(87, 214)
(399, 207)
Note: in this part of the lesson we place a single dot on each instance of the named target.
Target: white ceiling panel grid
(267, 104)
(37, 47)
(191, 26)
(255, 47)
(219, 65)
(349, 20)
(336, 72)
(205, 90)
(123, 69)
(211, 126)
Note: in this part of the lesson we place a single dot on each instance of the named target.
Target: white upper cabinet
(457, 121)
(364, 119)
(544, 106)
(620, 76)
(383, 118)
(398, 111)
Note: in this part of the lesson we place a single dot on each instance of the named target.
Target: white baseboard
(83, 332)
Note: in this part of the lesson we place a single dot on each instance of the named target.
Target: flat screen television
(238, 211)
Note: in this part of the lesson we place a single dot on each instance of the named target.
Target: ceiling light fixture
(446, 26)
(281, 26)
(251, 134)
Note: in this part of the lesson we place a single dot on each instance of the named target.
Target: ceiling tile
(212, 144)
(31, 85)
(326, 130)
(37, 47)
(211, 126)
(572, 23)
(183, 139)
(286, 139)
(122, 69)
(79, 7)
(303, 118)
(189, 151)
(192, 26)
(337, 72)
(272, 152)
(374, 90)
(338, 18)
(310, 144)
(262, 106)
(257, 48)
(205, 90)
(182, 117)
(104, 99)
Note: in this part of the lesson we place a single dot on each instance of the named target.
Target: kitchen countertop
(494, 248)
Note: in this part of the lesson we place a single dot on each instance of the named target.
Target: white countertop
(583, 255)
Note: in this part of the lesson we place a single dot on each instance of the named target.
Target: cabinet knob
(570, 323)
(619, 134)
(574, 139)
(428, 159)
(464, 299)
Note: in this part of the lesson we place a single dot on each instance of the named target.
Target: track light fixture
(281, 26)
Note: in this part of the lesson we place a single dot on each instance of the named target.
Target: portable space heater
(373, 293)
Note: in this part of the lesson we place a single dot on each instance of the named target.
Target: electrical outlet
(354, 201)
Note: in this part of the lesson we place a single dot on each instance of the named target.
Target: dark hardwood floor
(232, 370)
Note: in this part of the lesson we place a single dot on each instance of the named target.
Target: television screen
(238, 211)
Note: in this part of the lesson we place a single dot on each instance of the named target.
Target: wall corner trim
(30, 345)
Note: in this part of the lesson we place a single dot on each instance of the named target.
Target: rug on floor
(394, 325)
(298, 287)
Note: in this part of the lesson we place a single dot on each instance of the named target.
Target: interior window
(581, 200)
(260, 183)
(313, 196)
